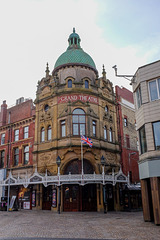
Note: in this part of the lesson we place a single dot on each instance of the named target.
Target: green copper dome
(75, 54)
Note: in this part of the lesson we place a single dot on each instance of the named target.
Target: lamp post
(103, 161)
(58, 161)
(129, 158)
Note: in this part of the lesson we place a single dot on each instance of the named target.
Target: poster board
(12, 203)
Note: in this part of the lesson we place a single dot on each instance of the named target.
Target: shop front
(67, 192)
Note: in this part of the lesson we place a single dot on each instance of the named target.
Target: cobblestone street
(48, 225)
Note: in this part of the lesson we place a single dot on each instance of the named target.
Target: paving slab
(27, 224)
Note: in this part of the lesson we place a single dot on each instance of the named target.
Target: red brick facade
(127, 133)
(20, 117)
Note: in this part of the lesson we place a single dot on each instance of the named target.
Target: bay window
(156, 134)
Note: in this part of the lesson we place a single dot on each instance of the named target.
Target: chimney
(3, 114)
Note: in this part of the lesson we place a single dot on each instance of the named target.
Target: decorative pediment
(64, 112)
(10, 179)
(120, 177)
(92, 113)
(108, 117)
(36, 177)
(45, 90)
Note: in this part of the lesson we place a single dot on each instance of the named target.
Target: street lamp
(103, 161)
(58, 161)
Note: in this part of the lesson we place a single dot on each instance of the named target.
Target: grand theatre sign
(76, 97)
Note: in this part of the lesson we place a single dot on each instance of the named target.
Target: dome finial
(74, 30)
(47, 70)
(104, 72)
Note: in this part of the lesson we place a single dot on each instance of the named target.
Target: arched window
(69, 83)
(105, 133)
(86, 84)
(79, 122)
(49, 133)
(110, 135)
(42, 134)
(106, 108)
(63, 128)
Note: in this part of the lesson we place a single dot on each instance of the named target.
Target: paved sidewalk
(35, 225)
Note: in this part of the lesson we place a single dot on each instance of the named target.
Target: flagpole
(82, 154)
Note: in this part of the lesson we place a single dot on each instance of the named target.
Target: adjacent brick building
(17, 128)
(127, 133)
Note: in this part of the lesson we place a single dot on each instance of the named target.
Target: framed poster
(26, 205)
(54, 198)
(34, 198)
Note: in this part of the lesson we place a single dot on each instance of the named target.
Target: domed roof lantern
(74, 55)
(74, 40)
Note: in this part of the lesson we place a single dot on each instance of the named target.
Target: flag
(86, 140)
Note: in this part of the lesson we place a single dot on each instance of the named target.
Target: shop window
(156, 134)
(138, 97)
(154, 89)
(16, 156)
(3, 138)
(94, 128)
(26, 155)
(42, 134)
(16, 135)
(105, 133)
(69, 83)
(26, 132)
(63, 128)
(79, 122)
(142, 137)
(86, 84)
(49, 133)
(2, 155)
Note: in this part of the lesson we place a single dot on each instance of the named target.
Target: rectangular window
(26, 131)
(139, 97)
(3, 138)
(125, 122)
(26, 155)
(16, 156)
(154, 89)
(142, 137)
(105, 133)
(16, 135)
(2, 155)
(94, 128)
(63, 128)
(156, 133)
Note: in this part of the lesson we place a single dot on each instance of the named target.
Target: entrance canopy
(81, 179)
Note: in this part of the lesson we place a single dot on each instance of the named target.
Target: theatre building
(70, 101)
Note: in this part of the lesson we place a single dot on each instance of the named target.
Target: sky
(125, 33)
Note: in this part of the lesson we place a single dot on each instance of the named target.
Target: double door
(71, 198)
(78, 198)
